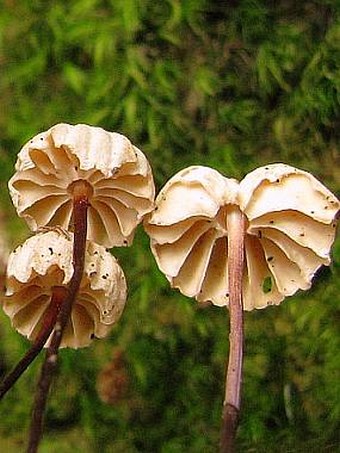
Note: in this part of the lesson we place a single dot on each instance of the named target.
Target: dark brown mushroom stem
(48, 323)
(236, 225)
(80, 207)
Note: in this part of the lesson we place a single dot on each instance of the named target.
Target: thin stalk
(232, 400)
(48, 323)
(80, 206)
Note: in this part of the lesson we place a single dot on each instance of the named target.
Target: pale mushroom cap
(290, 230)
(280, 187)
(176, 203)
(119, 175)
(45, 261)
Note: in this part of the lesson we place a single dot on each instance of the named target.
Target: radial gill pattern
(120, 182)
(290, 229)
(43, 263)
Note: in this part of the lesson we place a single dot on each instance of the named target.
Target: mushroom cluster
(120, 183)
(57, 170)
(44, 262)
(290, 227)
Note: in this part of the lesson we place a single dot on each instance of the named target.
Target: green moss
(190, 82)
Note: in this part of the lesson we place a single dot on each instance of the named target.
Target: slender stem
(80, 205)
(49, 320)
(232, 400)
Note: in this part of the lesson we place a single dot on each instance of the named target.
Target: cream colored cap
(45, 261)
(290, 230)
(119, 176)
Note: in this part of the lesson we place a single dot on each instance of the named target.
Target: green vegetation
(189, 82)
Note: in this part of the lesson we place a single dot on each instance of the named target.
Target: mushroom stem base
(230, 418)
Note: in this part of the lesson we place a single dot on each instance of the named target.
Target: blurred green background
(232, 85)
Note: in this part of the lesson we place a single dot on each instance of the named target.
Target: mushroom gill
(290, 229)
(121, 188)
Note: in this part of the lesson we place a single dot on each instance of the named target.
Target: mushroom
(119, 181)
(43, 265)
(243, 245)
(290, 227)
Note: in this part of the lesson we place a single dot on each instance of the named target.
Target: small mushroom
(43, 263)
(118, 177)
(290, 227)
